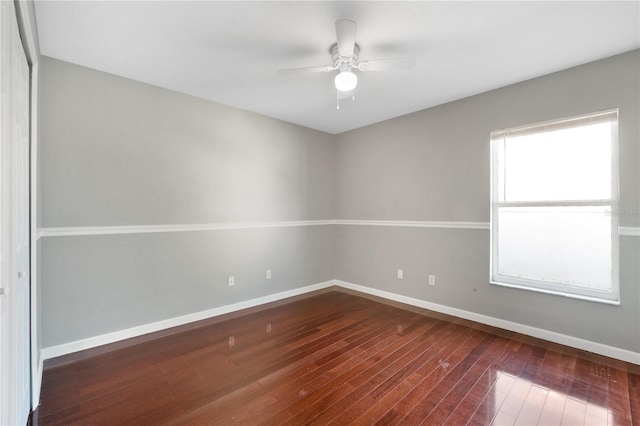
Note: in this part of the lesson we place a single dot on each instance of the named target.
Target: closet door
(14, 222)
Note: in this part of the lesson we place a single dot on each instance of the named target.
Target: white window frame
(496, 137)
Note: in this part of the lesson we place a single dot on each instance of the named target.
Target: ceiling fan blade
(306, 70)
(388, 64)
(346, 36)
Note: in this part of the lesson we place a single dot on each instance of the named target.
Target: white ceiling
(229, 52)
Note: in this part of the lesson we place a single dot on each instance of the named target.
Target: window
(554, 190)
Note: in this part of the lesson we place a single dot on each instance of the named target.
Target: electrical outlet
(400, 274)
(432, 280)
(232, 280)
(232, 340)
(268, 274)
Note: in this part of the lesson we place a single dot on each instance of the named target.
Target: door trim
(25, 14)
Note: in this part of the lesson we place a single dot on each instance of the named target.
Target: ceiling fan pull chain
(337, 99)
(353, 95)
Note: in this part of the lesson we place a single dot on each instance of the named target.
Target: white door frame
(25, 11)
(15, 219)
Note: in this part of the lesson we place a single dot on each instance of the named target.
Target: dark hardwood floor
(336, 358)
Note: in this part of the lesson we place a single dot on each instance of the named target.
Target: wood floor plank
(313, 374)
(337, 358)
(634, 395)
(458, 367)
(386, 379)
(443, 409)
(444, 366)
(287, 393)
(396, 387)
(361, 370)
(480, 390)
(507, 377)
(329, 365)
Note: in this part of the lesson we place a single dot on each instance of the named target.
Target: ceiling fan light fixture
(346, 81)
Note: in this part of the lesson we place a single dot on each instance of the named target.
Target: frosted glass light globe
(346, 81)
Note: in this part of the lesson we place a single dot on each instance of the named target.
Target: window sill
(558, 293)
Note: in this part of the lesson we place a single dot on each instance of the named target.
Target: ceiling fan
(344, 58)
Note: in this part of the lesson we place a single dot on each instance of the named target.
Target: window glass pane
(566, 164)
(561, 245)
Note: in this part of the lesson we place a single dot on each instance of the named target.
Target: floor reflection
(516, 400)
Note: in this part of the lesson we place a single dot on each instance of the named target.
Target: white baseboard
(92, 342)
(552, 336)
(563, 339)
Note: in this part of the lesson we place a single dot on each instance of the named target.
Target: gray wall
(119, 152)
(433, 165)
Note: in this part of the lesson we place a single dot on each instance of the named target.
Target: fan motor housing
(338, 60)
